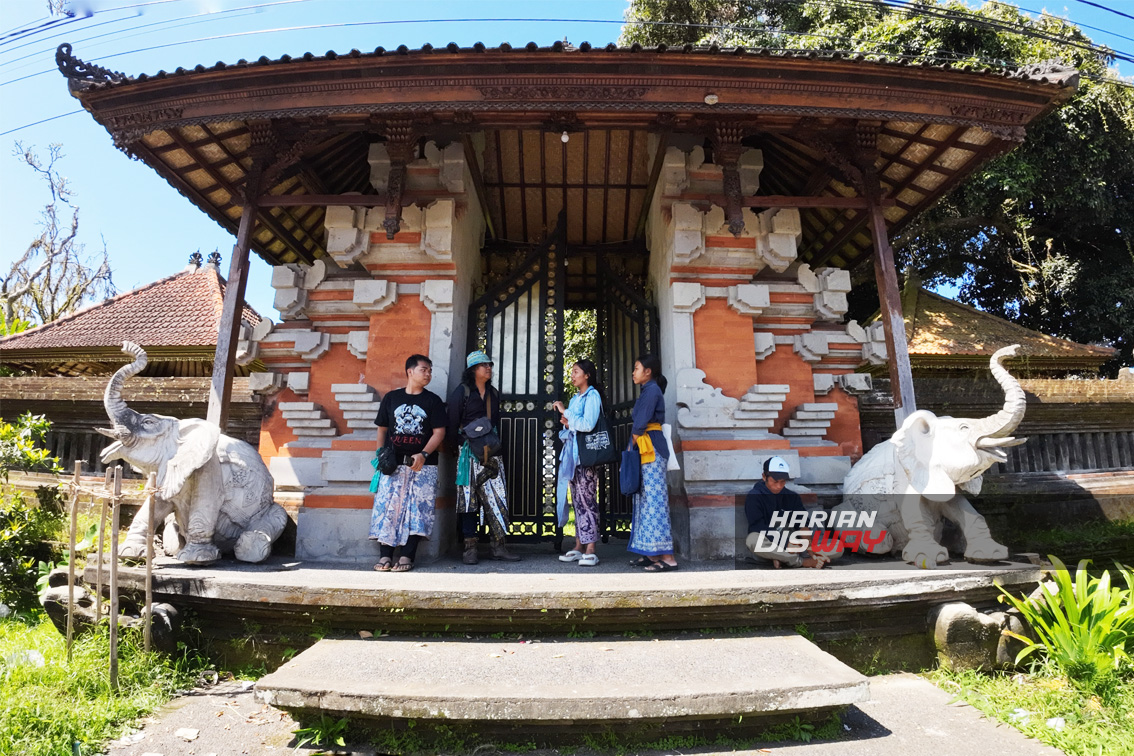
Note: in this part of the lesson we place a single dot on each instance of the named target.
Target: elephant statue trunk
(124, 419)
(992, 433)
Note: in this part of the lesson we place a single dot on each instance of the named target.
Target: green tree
(1042, 235)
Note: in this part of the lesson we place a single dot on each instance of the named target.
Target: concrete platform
(541, 594)
(556, 683)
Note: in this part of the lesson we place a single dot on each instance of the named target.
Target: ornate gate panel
(518, 321)
(627, 328)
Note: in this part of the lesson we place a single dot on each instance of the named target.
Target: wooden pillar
(890, 301)
(224, 362)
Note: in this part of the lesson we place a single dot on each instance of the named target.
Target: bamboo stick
(71, 558)
(115, 502)
(101, 545)
(151, 483)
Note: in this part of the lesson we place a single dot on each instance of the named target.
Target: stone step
(351, 388)
(315, 431)
(770, 388)
(797, 423)
(536, 685)
(747, 405)
(819, 407)
(804, 415)
(793, 431)
(371, 407)
(297, 406)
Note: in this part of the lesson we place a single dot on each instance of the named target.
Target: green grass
(1087, 537)
(1093, 725)
(43, 710)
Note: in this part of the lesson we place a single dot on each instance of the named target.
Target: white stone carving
(674, 177)
(811, 419)
(299, 382)
(748, 299)
(812, 346)
(687, 232)
(765, 344)
(823, 383)
(379, 159)
(855, 383)
(374, 295)
(307, 419)
(751, 164)
(776, 246)
(437, 235)
(359, 405)
(687, 298)
(437, 296)
(915, 479)
(265, 384)
(450, 165)
(358, 342)
(247, 348)
(310, 345)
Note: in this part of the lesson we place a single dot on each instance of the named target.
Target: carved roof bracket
(842, 160)
(727, 149)
(291, 141)
(81, 74)
(401, 144)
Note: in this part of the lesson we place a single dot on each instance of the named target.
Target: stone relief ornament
(217, 487)
(914, 481)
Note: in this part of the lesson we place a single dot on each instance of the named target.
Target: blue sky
(148, 227)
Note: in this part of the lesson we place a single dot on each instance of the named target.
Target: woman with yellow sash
(650, 532)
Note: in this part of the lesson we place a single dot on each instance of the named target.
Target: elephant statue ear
(914, 444)
(196, 444)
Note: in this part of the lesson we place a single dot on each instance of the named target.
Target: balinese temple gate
(709, 205)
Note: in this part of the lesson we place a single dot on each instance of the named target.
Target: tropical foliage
(1042, 235)
(1082, 624)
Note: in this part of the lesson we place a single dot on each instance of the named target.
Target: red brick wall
(725, 347)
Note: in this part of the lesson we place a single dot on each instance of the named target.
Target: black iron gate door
(627, 328)
(518, 321)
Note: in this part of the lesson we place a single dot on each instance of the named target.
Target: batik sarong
(584, 498)
(650, 533)
(487, 496)
(404, 505)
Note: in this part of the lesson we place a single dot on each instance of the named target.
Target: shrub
(24, 529)
(18, 450)
(1081, 624)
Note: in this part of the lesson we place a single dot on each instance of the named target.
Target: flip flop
(571, 556)
(385, 564)
(405, 564)
(642, 562)
(660, 566)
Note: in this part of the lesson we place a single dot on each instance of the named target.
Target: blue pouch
(630, 472)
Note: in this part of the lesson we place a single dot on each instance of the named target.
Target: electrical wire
(1103, 7)
(37, 123)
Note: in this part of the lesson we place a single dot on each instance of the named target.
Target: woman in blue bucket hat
(482, 499)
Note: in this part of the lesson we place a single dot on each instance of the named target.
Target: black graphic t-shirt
(409, 420)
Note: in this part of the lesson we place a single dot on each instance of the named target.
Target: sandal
(385, 564)
(642, 562)
(571, 556)
(405, 564)
(588, 560)
(660, 566)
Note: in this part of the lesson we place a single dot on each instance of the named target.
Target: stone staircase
(538, 687)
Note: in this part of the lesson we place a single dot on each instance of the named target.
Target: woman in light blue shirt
(580, 416)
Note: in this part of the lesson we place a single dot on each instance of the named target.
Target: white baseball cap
(778, 468)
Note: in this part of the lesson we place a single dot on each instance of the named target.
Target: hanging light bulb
(565, 137)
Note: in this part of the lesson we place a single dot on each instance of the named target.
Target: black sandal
(660, 566)
(642, 562)
(404, 564)
(385, 564)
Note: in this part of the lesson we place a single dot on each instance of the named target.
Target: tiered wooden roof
(947, 335)
(175, 319)
(922, 127)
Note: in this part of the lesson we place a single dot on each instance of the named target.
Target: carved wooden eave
(933, 126)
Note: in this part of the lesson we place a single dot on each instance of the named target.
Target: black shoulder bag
(483, 441)
(596, 446)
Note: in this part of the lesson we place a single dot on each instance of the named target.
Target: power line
(1111, 10)
(37, 123)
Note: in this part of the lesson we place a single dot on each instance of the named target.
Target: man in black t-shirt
(412, 422)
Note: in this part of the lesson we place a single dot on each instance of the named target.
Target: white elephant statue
(217, 487)
(912, 480)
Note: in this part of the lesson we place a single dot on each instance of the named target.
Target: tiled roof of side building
(938, 326)
(181, 310)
